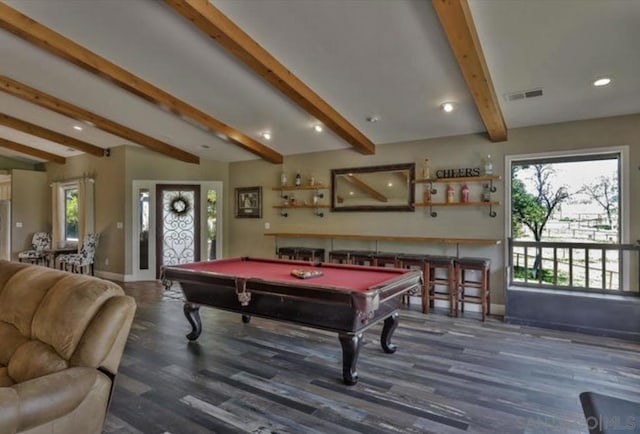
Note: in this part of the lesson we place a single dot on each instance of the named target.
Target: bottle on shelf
(298, 179)
(283, 179)
(464, 194)
(426, 195)
(425, 169)
(450, 194)
(486, 193)
(488, 165)
(292, 200)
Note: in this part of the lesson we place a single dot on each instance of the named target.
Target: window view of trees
(71, 214)
(565, 201)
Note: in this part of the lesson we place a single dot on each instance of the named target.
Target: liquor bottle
(426, 195)
(464, 194)
(450, 194)
(298, 179)
(488, 165)
(486, 193)
(425, 169)
(283, 179)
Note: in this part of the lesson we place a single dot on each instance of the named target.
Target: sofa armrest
(8, 410)
(52, 396)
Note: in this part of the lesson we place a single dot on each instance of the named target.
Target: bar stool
(340, 256)
(381, 259)
(417, 262)
(312, 254)
(483, 296)
(441, 287)
(362, 257)
(287, 252)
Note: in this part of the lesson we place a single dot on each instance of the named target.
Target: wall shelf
(488, 180)
(302, 206)
(428, 204)
(301, 187)
(315, 206)
(458, 180)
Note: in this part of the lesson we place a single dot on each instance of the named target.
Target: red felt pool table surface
(345, 277)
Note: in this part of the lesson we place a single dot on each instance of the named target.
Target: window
(566, 229)
(70, 196)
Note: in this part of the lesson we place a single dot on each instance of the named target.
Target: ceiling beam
(54, 43)
(52, 136)
(214, 23)
(457, 23)
(50, 102)
(8, 144)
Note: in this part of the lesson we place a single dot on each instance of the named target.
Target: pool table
(346, 299)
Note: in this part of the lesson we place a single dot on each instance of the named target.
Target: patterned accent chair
(39, 243)
(77, 262)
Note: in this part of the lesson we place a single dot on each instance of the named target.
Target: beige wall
(10, 163)
(108, 173)
(142, 164)
(246, 236)
(113, 180)
(30, 206)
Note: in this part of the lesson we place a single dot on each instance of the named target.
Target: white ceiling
(386, 58)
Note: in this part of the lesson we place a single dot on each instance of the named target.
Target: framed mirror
(374, 188)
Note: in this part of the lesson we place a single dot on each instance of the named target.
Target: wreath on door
(179, 206)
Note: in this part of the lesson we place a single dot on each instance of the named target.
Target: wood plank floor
(448, 376)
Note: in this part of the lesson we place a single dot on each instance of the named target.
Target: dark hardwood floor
(448, 376)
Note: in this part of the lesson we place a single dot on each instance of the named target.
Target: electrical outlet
(18, 224)
(267, 226)
(119, 225)
(106, 261)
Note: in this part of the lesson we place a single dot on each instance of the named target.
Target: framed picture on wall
(249, 202)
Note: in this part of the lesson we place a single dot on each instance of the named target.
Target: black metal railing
(597, 267)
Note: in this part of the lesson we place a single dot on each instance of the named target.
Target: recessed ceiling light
(205, 146)
(71, 150)
(602, 81)
(266, 135)
(77, 127)
(373, 119)
(317, 128)
(447, 107)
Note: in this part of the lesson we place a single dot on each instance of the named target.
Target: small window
(71, 214)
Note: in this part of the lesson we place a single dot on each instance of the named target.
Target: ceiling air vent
(523, 94)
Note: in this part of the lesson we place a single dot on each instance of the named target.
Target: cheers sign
(458, 173)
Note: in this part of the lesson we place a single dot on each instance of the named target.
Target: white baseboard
(118, 277)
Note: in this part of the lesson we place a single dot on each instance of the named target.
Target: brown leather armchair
(61, 340)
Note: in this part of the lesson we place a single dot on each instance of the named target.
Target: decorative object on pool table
(306, 274)
(249, 202)
(179, 205)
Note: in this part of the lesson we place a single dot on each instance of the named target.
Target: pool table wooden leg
(390, 325)
(350, 349)
(192, 312)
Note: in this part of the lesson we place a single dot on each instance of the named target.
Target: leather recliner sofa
(61, 340)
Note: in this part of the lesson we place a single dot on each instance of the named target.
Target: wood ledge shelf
(439, 204)
(476, 241)
(462, 179)
(301, 187)
(301, 206)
